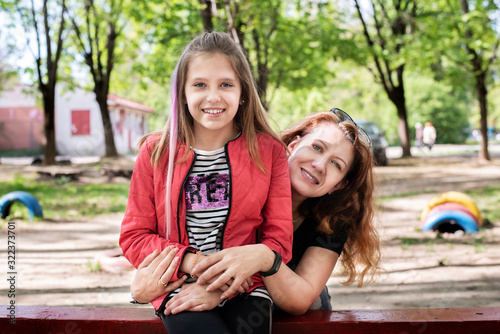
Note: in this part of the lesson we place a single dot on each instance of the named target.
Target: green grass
(487, 200)
(63, 199)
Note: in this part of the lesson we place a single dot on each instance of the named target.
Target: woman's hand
(193, 297)
(234, 264)
(153, 274)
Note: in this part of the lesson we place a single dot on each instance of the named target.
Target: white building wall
(131, 131)
(78, 145)
(133, 127)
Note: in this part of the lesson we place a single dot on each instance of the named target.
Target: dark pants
(240, 315)
(325, 299)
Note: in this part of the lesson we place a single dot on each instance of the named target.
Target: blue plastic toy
(460, 218)
(27, 199)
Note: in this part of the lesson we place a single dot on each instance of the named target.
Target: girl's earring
(242, 101)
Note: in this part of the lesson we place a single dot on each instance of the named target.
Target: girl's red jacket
(260, 205)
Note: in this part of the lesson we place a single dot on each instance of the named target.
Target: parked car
(379, 144)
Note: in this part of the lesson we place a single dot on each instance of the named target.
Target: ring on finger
(164, 284)
(228, 274)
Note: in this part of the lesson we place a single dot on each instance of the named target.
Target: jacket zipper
(226, 149)
(180, 195)
(226, 146)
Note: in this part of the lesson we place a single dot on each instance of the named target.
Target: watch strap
(276, 265)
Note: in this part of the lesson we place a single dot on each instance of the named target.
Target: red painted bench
(80, 320)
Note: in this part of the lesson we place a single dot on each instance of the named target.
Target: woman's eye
(226, 85)
(336, 164)
(316, 147)
(199, 84)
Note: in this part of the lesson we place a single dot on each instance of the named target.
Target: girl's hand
(156, 269)
(234, 264)
(193, 297)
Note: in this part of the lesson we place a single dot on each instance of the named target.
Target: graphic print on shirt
(207, 191)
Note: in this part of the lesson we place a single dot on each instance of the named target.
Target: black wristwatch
(275, 267)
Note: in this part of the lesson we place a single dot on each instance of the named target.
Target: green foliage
(443, 105)
(448, 33)
(61, 199)
(93, 266)
(305, 62)
(314, 53)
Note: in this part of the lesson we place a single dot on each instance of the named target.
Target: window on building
(80, 122)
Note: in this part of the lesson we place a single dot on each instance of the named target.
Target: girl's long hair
(351, 209)
(251, 118)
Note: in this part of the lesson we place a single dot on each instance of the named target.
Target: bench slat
(78, 320)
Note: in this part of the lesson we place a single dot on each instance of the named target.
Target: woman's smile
(309, 176)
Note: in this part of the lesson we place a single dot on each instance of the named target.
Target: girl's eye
(199, 84)
(336, 164)
(226, 85)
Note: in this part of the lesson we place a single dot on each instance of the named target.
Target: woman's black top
(307, 235)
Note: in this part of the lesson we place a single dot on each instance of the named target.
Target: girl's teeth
(212, 111)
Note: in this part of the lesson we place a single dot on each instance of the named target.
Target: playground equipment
(451, 211)
(30, 201)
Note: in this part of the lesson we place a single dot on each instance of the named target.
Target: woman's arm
(310, 277)
(238, 262)
(158, 268)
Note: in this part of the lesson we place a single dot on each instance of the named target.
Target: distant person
(419, 135)
(429, 135)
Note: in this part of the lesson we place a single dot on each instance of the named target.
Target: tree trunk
(49, 124)
(397, 96)
(109, 139)
(482, 92)
(403, 131)
(206, 15)
(262, 83)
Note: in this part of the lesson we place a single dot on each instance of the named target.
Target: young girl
(331, 174)
(230, 184)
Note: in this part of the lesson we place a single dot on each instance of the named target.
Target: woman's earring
(242, 101)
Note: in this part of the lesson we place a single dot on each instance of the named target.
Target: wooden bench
(80, 320)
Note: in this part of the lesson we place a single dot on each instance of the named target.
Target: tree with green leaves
(289, 43)
(46, 22)
(463, 41)
(388, 28)
(478, 26)
(97, 31)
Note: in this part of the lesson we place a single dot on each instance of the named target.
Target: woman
(330, 164)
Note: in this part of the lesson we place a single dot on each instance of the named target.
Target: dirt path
(55, 259)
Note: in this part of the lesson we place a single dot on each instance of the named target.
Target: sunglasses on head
(345, 117)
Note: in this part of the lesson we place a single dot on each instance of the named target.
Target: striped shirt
(208, 193)
(207, 200)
